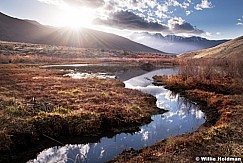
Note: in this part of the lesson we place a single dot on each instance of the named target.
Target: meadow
(36, 103)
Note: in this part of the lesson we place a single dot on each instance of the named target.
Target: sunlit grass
(217, 85)
(36, 101)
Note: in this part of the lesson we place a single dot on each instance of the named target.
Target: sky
(212, 19)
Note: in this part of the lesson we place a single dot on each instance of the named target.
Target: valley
(41, 107)
(145, 91)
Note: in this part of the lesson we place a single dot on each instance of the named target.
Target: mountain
(229, 49)
(172, 43)
(29, 31)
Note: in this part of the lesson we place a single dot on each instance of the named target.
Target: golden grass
(13, 52)
(222, 133)
(36, 102)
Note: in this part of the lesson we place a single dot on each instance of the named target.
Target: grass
(36, 102)
(216, 84)
(13, 52)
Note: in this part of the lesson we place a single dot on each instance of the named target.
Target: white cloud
(160, 15)
(188, 12)
(163, 8)
(155, 14)
(218, 33)
(240, 24)
(179, 25)
(203, 5)
(176, 20)
(175, 3)
(53, 2)
(240, 21)
(151, 4)
(185, 5)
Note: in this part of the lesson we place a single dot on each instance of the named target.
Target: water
(182, 117)
(78, 75)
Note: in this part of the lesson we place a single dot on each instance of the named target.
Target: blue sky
(213, 19)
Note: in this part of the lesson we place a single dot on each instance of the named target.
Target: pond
(182, 117)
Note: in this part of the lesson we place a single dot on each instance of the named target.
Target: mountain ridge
(172, 43)
(29, 31)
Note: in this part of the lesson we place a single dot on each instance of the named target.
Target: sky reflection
(182, 117)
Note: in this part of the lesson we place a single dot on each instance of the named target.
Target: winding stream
(182, 117)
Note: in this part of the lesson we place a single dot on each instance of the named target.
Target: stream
(182, 117)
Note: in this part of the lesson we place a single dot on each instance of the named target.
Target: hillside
(17, 30)
(229, 49)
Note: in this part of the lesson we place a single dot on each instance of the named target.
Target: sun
(77, 17)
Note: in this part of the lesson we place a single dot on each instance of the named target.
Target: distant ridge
(172, 43)
(229, 49)
(29, 31)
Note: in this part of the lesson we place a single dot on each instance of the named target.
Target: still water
(182, 117)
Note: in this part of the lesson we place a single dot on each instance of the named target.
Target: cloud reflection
(182, 117)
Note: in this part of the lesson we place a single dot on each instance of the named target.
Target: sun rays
(75, 18)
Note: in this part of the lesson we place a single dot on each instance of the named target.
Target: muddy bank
(36, 102)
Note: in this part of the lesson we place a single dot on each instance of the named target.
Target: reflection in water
(182, 117)
(90, 75)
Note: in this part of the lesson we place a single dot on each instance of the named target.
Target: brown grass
(13, 52)
(218, 84)
(36, 101)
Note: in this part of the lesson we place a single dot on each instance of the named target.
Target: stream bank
(36, 102)
(182, 117)
(221, 135)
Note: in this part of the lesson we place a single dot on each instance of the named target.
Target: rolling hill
(17, 30)
(229, 49)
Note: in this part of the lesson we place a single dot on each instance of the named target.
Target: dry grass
(229, 49)
(218, 85)
(13, 52)
(220, 76)
(36, 101)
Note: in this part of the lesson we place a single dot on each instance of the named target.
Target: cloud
(178, 25)
(240, 21)
(175, 3)
(188, 12)
(86, 3)
(218, 33)
(203, 5)
(145, 15)
(162, 8)
(160, 15)
(150, 3)
(129, 20)
(53, 2)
